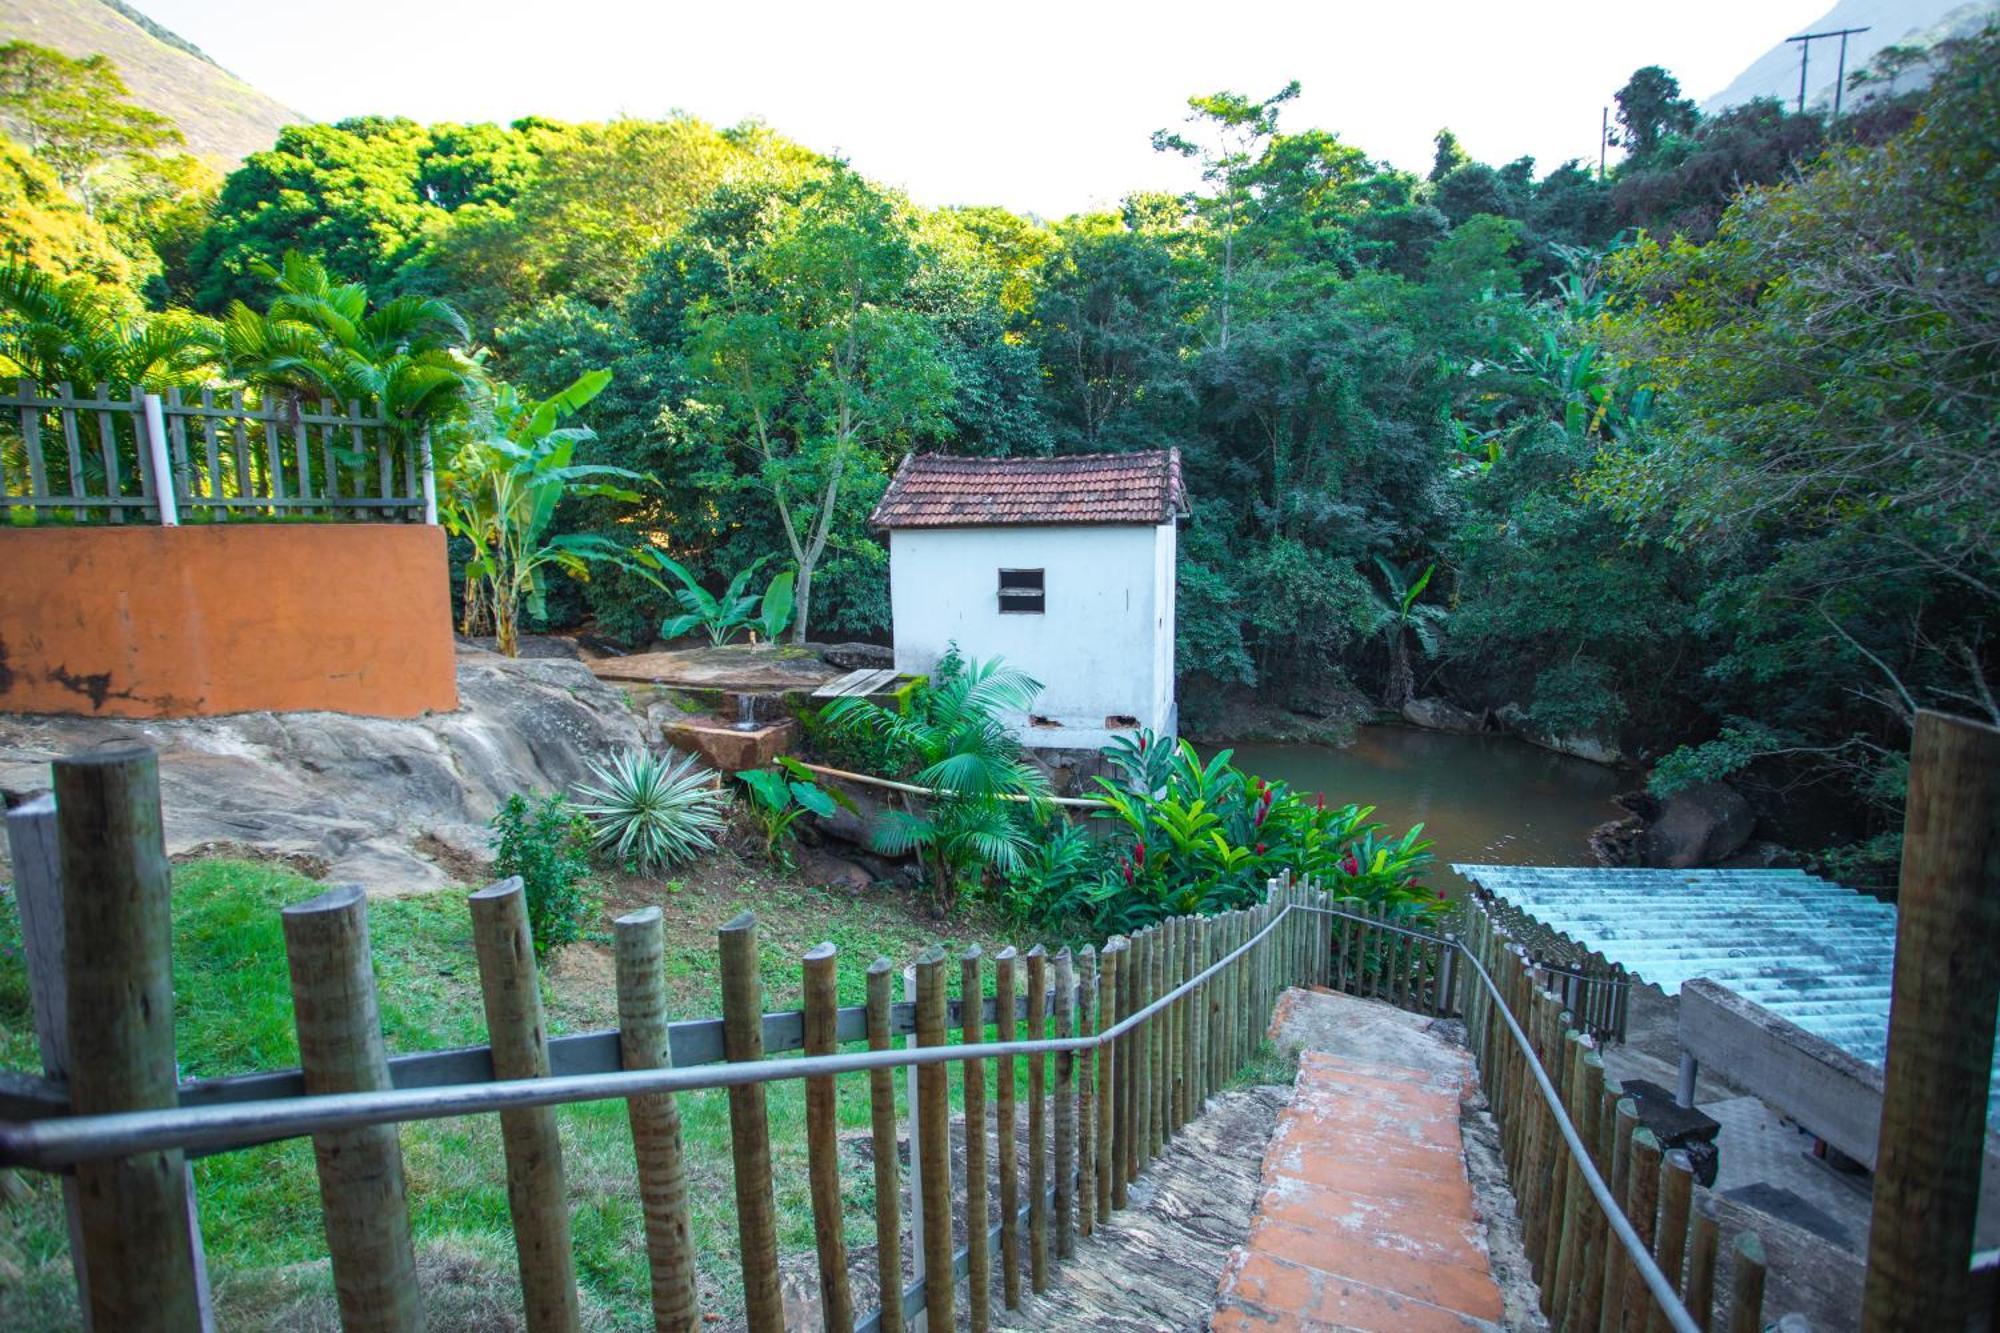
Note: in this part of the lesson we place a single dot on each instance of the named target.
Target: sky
(1044, 108)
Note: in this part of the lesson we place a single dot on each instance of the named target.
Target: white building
(1063, 566)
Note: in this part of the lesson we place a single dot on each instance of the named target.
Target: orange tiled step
(1367, 1219)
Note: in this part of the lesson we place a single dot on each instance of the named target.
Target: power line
(1805, 41)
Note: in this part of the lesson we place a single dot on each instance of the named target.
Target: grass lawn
(259, 1208)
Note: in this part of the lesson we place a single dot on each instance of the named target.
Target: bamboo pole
(1941, 1021)
(361, 1183)
(1087, 1147)
(1127, 1118)
(1142, 1055)
(656, 1121)
(911, 789)
(749, 1126)
(1703, 1244)
(978, 1261)
(821, 989)
(1038, 1125)
(1746, 1285)
(1107, 1074)
(118, 940)
(537, 1198)
(882, 1137)
(1065, 1112)
(1005, 966)
(934, 1111)
(1156, 1045)
(1670, 1248)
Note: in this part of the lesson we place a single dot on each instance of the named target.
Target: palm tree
(949, 731)
(1396, 615)
(323, 338)
(79, 332)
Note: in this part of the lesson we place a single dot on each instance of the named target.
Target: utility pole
(1603, 137)
(1805, 41)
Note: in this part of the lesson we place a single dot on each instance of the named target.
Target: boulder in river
(1440, 715)
(1597, 749)
(1702, 825)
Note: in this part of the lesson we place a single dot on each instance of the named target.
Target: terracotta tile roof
(948, 491)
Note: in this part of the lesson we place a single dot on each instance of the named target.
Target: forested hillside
(1698, 455)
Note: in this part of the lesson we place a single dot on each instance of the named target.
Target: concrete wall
(1102, 648)
(146, 621)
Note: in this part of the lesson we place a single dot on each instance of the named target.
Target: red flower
(1128, 874)
(1319, 801)
(1142, 745)
(1351, 864)
(1260, 849)
(1141, 857)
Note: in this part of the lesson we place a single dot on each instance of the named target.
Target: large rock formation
(1702, 825)
(375, 801)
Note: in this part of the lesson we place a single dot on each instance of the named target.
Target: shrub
(653, 811)
(778, 796)
(546, 843)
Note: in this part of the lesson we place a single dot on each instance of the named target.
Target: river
(1480, 798)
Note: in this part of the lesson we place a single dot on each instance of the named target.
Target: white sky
(1039, 107)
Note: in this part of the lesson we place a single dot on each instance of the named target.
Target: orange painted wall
(145, 621)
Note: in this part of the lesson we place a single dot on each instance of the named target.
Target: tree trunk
(506, 621)
(1401, 683)
(802, 590)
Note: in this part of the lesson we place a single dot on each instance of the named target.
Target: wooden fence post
(821, 992)
(1005, 966)
(1670, 1246)
(934, 1110)
(1746, 1286)
(1065, 1111)
(1941, 1019)
(882, 1138)
(656, 1121)
(978, 1260)
(536, 1196)
(1703, 1244)
(118, 947)
(749, 1126)
(1087, 1146)
(361, 1184)
(1038, 1124)
(1111, 1081)
(1642, 1205)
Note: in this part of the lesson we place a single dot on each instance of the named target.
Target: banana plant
(501, 492)
(721, 618)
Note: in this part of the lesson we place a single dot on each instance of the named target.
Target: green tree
(805, 354)
(76, 115)
(1650, 109)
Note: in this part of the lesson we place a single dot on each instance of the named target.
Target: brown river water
(1484, 798)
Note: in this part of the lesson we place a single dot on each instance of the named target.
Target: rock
(725, 748)
(1619, 842)
(856, 656)
(1597, 749)
(359, 794)
(1700, 826)
(1761, 855)
(735, 667)
(531, 645)
(856, 826)
(818, 866)
(1440, 715)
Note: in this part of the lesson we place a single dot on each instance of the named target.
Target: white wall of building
(1102, 648)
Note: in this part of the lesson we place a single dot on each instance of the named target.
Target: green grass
(259, 1207)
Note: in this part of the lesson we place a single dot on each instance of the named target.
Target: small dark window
(1021, 591)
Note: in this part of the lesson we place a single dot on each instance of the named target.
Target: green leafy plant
(651, 811)
(501, 493)
(1397, 616)
(547, 843)
(737, 609)
(950, 737)
(779, 795)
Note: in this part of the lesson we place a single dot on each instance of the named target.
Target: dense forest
(1694, 455)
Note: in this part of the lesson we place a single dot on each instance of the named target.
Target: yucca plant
(651, 811)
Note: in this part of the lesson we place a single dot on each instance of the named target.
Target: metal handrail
(56, 1143)
(65, 1141)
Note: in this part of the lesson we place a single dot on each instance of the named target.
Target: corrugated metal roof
(1807, 949)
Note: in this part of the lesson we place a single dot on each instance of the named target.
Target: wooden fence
(1594, 989)
(73, 456)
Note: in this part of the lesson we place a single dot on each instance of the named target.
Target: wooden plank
(177, 437)
(882, 1131)
(978, 1260)
(934, 1111)
(212, 454)
(330, 471)
(858, 683)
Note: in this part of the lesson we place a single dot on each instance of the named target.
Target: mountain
(223, 117)
(1889, 23)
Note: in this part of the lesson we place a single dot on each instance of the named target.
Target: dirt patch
(299, 863)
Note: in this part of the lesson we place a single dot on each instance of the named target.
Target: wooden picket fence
(77, 456)
(1123, 1047)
